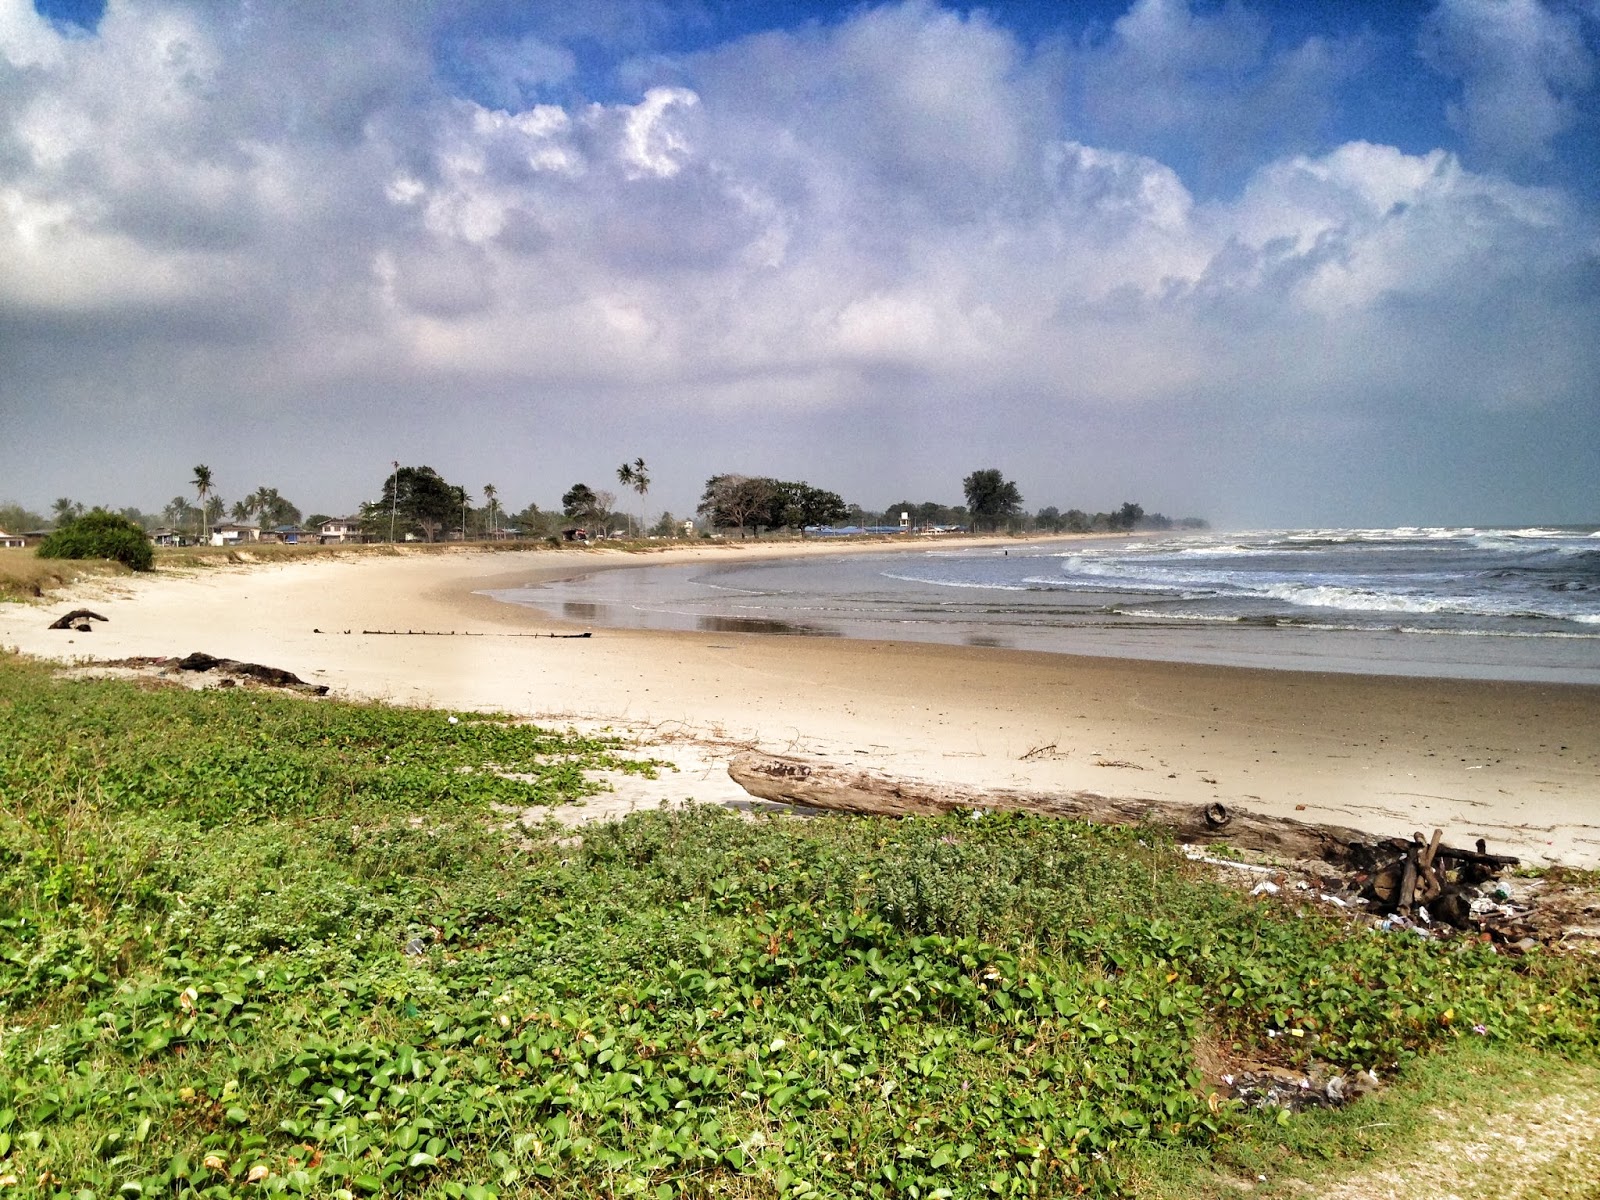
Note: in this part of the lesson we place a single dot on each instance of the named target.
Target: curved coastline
(1512, 762)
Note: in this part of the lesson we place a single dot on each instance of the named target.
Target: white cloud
(1212, 80)
(26, 38)
(653, 143)
(831, 218)
(1521, 64)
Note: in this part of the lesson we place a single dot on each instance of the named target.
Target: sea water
(1469, 602)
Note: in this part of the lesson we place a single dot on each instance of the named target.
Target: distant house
(339, 530)
(165, 537)
(12, 541)
(286, 535)
(231, 534)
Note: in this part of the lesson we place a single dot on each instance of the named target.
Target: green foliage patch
(100, 534)
(251, 937)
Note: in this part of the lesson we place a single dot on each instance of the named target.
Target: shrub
(100, 534)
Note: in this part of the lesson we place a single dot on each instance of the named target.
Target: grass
(252, 943)
(1476, 1121)
(25, 576)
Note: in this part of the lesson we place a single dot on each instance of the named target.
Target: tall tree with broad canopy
(421, 501)
(991, 497)
(740, 500)
(581, 503)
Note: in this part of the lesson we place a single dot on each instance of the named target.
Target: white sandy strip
(1517, 764)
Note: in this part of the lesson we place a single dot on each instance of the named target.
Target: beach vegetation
(100, 534)
(16, 519)
(731, 501)
(991, 498)
(416, 503)
(760, 502)
(65, 509)
(254, 944)
(581, 503)
(203, 489)
(635, 475)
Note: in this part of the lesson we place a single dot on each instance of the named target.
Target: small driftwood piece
(77, 619)
(789, 780)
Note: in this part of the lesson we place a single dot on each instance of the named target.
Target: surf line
(445, 633)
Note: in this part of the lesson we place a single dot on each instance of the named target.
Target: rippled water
(1501, 603)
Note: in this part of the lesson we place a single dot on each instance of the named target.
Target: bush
(100, 534)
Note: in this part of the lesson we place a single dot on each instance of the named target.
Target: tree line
(418, 503)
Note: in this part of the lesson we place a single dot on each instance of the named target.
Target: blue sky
(1274, 263)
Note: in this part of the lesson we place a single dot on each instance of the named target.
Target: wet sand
(1516, 763)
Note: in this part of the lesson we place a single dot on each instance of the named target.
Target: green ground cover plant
(257, 944)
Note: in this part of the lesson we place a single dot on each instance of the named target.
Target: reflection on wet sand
(761, 625)
(581, 611)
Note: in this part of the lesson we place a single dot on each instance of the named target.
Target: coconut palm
(64, 510)
(202, 489)
(637, 476)
(489, 493)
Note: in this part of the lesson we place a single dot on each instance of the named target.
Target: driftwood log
(849, 789)
(271, 676)
(77, 619)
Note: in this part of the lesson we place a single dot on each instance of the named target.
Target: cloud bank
(867, 250)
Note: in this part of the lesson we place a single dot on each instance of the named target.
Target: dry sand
(1516, 763)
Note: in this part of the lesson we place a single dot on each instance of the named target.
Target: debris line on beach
(448, 633)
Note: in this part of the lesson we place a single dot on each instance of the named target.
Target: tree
(271, 508)
(666, 526)
(580, 502)
(64, 510)
(202, 491)
(1049, 518)
(1128, 516)
(100, 534)
(489, 494)
(800, 505)
(176, 511)
(735, 500)
(637, 476)
(418, 498)
(16, 519)
(991, 497)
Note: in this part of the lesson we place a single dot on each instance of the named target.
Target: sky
(1276, 264)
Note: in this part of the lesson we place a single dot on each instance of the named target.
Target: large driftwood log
(849, 789)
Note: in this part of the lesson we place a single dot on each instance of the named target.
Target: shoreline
(1515, 763)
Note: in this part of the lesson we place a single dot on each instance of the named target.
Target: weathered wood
(76, 619)
(789, 780)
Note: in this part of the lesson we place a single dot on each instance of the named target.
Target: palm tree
(241, 511)
(489, 493)
(202, 489)
(65, 510)
(637, 476)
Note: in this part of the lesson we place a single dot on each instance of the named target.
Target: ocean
(1469, 602)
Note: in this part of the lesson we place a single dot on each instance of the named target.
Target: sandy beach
(1515, 763)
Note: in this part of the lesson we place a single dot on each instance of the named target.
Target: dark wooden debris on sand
(270, 676)
(78, 620)
(1392, 874)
